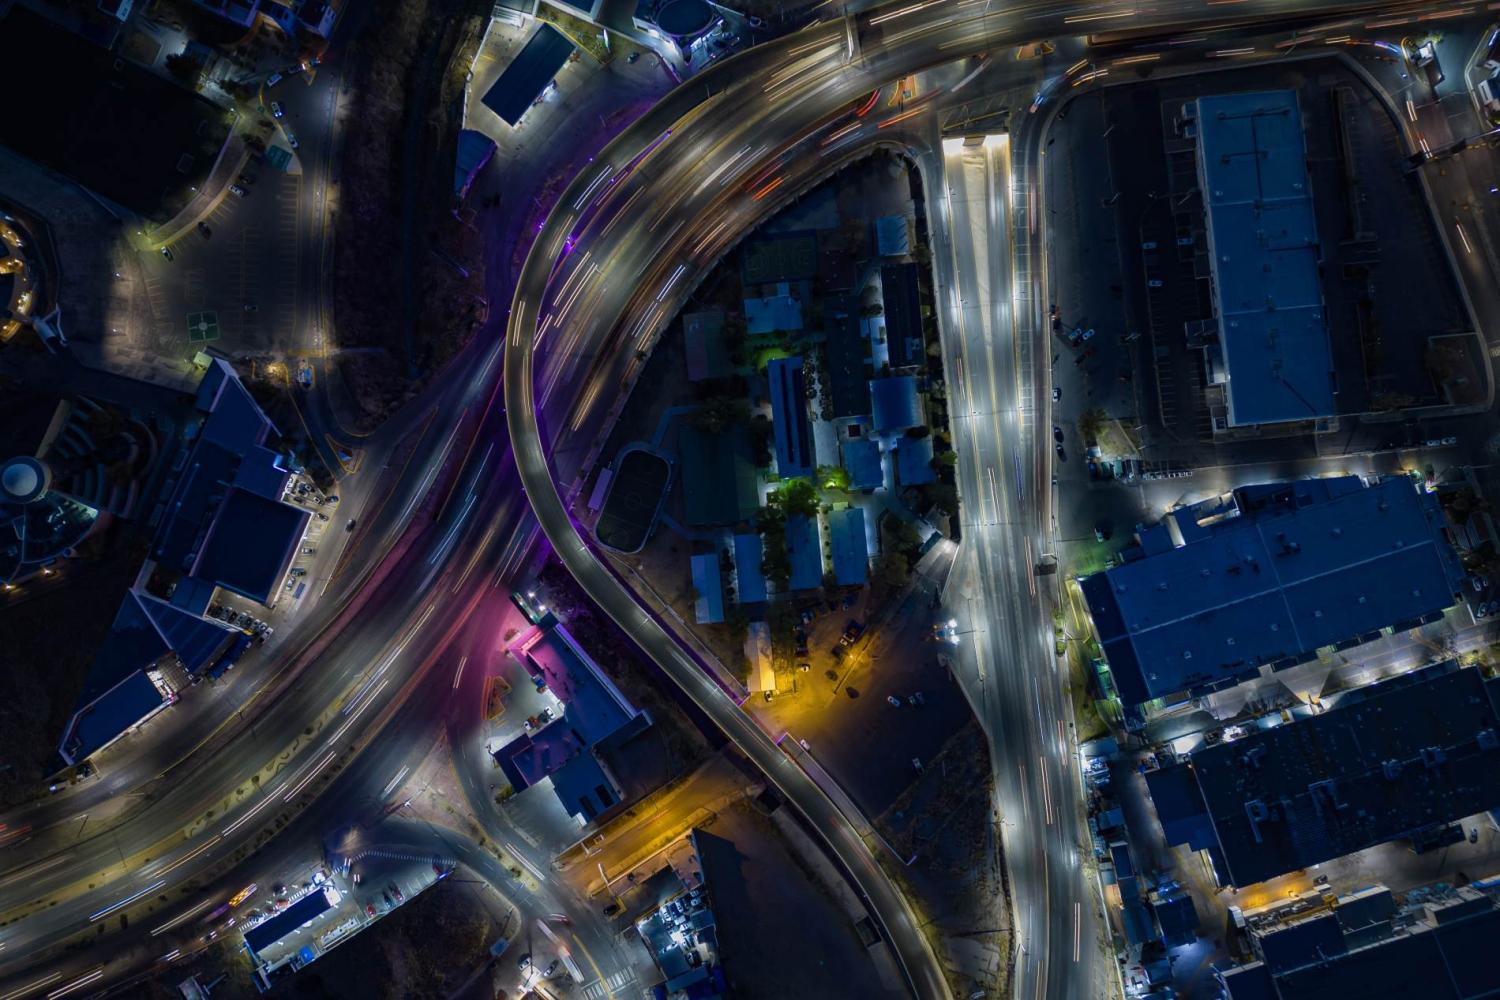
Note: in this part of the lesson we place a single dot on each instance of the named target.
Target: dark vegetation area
(400, 253)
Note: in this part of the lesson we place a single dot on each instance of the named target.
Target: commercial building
(223, 525)
(794, 455)
(851, 550)
(570, 752)
(1269, 355)
(682, 934)
(1266, 577)
(1432, 943)
(1404, 758)
(529, 74)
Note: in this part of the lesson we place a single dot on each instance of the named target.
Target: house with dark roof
(847, 349)
(903, 314)
(223, 525)
(125, 685)
(1268, 576)
(794, 454)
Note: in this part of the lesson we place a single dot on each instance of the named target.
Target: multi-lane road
(621, 248)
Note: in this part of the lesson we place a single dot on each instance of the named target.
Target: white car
(277, 111)
(273, 79)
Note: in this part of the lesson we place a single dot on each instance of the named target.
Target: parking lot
(874, 714)
(244, 273)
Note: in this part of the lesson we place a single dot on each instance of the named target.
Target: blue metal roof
(707, 581)
(750, 582)
(851, 552)
(862, 461)
(195, 640)
(804, 551)
(309, 907)
(1270, 578)
(768, 314)
(134, 643)
(104, 718)
(251, 544)
(896, 404)
(529, 73)
(789, 418)
(1263, 245)
(892, 236)
(914, 461)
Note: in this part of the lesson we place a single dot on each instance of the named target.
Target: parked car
(167, 253)
(1056, 393)
(236, 189)
(273, 79)
(291, 137)
(1057, 433)
(1062, 454)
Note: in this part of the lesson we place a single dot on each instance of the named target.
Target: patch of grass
(581, 33)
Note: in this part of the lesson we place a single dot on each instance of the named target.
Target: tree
(185, 68)
(832, 477)
(716, 414)
(796, 496)
(1091, 423)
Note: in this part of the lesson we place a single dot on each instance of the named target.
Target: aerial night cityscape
(771, 500)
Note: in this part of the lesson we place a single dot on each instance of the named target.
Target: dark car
(1057, 434)
(611, 909)
(1062, 455)
(350, 525)
(167, 252)
(1056, 393)
(204, 231)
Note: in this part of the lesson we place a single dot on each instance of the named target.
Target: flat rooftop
(1268, 577)
(1386, 761)
(1263, 245)
(528, 75)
